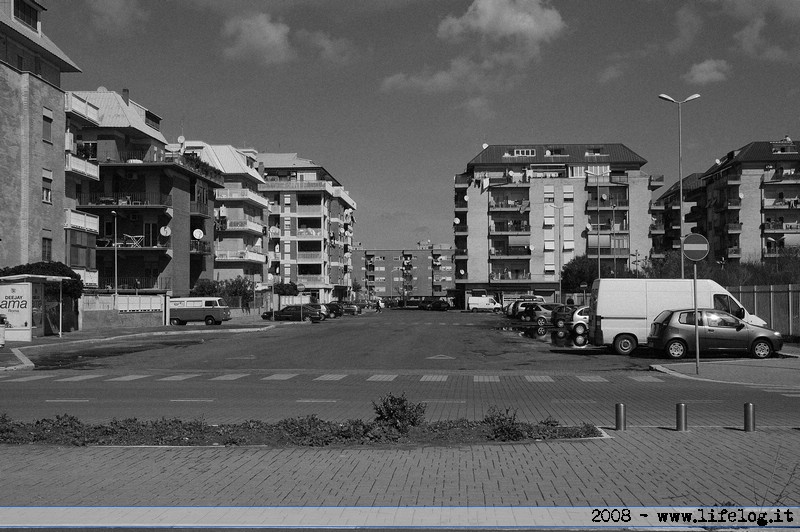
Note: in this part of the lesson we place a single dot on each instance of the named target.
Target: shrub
(398, 413)
(503, 425)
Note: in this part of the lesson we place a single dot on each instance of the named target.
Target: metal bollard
(680, 417)
(621, 421)
(749, 417)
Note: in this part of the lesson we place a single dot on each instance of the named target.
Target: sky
(395, 97)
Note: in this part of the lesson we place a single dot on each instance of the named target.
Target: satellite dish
(588, 227)
(485, 145)
(173, 147)
(603, 197)
(741, 195)
(165, 231)
(461, 272)
(717, 161)
(198, 234)
(456, 221)
(181, 139)
(466, 198)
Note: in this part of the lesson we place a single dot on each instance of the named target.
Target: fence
(778, 305)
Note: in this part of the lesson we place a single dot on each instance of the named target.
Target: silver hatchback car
(672, 333)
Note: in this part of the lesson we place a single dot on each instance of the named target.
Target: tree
(286, 289)
(579, 270)
(205, 288)
(356, 286)
(240, 287)
(72, 288)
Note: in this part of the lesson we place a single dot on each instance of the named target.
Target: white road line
(180, 377)
(539, 378)
(591, 378)
(433, 378)
(280, 377)
(388, 378)
(79, 378)
(66, 400)
(486, 378)
(646, 378)
(31, 378)
(191, 400)
(231, 377)
(791, 395)
(129, 378)
(316, 401)
(330, 377)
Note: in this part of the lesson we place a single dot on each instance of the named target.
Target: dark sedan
(439, 304)
(295, 313)
(673, 333)
(335, 308)
(351, 308)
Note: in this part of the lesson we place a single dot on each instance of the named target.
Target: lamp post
(560, 247)
(115, 254)
(597, 221)
(680, 161)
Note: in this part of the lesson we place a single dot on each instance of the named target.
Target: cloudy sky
(394, 97)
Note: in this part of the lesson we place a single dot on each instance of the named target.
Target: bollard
(749, 417)
(680, 417)
(621, 421)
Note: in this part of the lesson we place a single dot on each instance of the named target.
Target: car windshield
(663, 317)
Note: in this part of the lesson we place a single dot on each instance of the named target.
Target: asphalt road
(459, 364)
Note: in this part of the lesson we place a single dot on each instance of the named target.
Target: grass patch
(397, 421)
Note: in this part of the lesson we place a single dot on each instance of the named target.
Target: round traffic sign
(695, 247)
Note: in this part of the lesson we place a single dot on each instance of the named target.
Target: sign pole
(696, 320)
(695, 248)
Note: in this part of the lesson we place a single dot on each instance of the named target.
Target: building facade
(523, 211)
(33, 122)
(310, 227)
(401, 274)
(241, 213)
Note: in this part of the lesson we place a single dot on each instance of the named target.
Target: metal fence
(778, 305)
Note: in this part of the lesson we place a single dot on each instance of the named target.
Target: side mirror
(740, 312)
(739, 326)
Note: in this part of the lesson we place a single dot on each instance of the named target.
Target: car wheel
(175, 321)
(474, 310)
(762, 348)
(579, 340)
(624, 344)
(675, 349)
(541, 322)
(580, 329)
(560, 323)
(308, 318)
(210, 320)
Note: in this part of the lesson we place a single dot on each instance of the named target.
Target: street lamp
(597, 221)
(560, 248)
(680, 161)
(115, 252)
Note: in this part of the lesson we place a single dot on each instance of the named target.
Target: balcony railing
(311, 279)
(89, 277)
(82, 166)
(196, 207)
(199, 246)
(134, 283)
(655, 181)
(520, 227)
(125, 198)
(107, 243)
(309, 209)
(734, 251)
(79, 106)
(460, 228)
(509, 276)
(309, 255)
(241, 194)
(512, 251)
(734, 227)
(657, 228)
(244, 225)
(312, 232)
(81, 220)
(240, 255)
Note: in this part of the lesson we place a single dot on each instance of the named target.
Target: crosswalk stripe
(486, 378)
(385, 378)
(231, 377)
(591, 378)
(433, 378)
(79, 378)
(645, 378)
(180, 377)
(129, 378)
(31, 378)
(330, 377)
(538, 378)
(280, 377)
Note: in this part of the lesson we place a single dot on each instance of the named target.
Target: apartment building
(34, 117)
(154, 201)
(241, 213)
(522, 211)
(748, 203)
(425, 272)
(310, 227)
(665, 227)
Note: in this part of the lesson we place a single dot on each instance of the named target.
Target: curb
(661, 369)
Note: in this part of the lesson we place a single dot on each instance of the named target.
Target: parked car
(323, 308)
(673, 333)
(295, 313)
(424, 305)
(440, 304)
(578, 321)
(211, 310)
(538, 313)
(514, 310)
(561, 314)
(351, 308)
(335, 308)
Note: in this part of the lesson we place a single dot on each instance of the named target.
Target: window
(47, 249)
(687, 318)
(47, 190)
(549, 194)
(47, 125)
(569, 193)
(524, 153)
(26, 14)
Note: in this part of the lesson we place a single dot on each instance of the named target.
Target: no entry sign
(695, 247)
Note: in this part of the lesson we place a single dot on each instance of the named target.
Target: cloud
(334, 50)
(259, 38)
(611, 73)
(709, 71)
(689, 24)
(752, 42)
(115, 16)
(479, 107)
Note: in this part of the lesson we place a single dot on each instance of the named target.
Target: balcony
(655, 181)
(514, 228)
(197, 208)
(462, 180)
(511, 252)
(734, 227)
(246, 226)
(200, 247)
(734, 203)
(733, 179)
(780, 203)
(136, 283)
(781, 227)
(138, 242)
(77, 106)
(236, 194)
(786, 176)
(312, 280)
(734, 252)
(657, 229)
(508, 205)
(656, 206)
(461, 205)
(460, 253)
(315, 210)
(82, 167)
(137, 199)
(81, 220)
(460, 228)
(510, 276)
(277, 185)
(311, 232)
(609, 204)
(242, 255)
(310, 256)
(89, 277)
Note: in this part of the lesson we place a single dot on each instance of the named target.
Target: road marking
(486, 378)
(791, 395)
(191, 400)
(180, 377)
(31, 378)
(280, 377)
(591, 378)
(441, 357)
(79, 378)
(447, 401)
(66, 400)
(129, 378)
(646, 378)
(231, 377)
(330, 377)
(433, 378)
(316, 401)
(382, 378)
(538, 378)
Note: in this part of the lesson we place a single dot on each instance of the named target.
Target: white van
(482, 303)
(622, 310)
(211, 310)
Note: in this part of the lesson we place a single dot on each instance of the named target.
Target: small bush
(398, 412)
(503, 426)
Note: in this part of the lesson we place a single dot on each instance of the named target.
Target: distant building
(522, 211)
(424, 272)
(310, 227)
